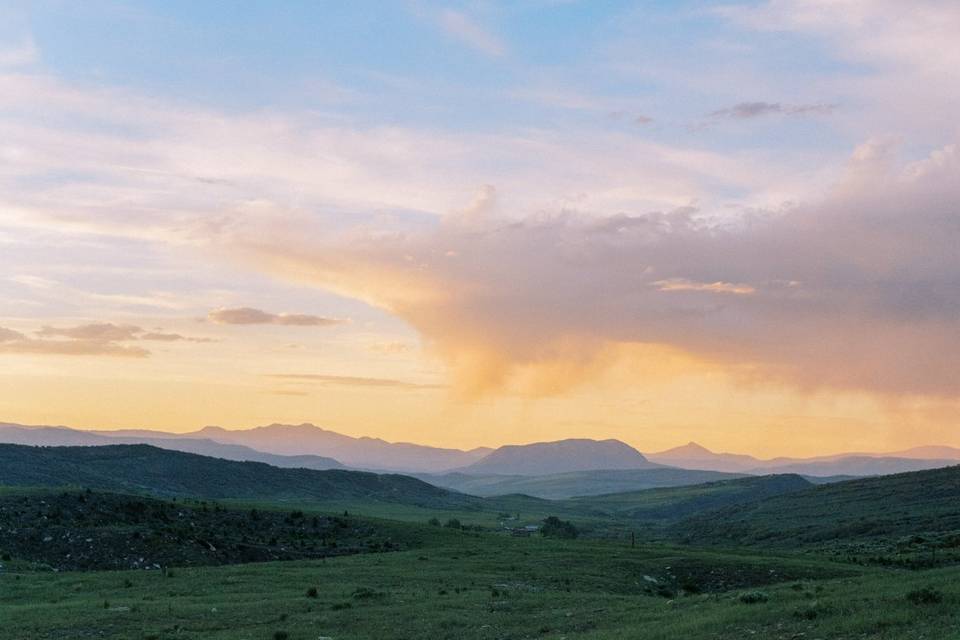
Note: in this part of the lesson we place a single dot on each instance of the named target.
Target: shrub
(365, 593)
(753, 597)
(453, 523)
(554, 527)
(814, 611)
(281, 635)
(926, 595)
(690, 586)
(312, 592)
(433, 522)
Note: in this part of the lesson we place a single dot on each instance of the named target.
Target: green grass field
(469, 585)
(874, 559)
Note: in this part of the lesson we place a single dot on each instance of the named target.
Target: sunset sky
(483, 223)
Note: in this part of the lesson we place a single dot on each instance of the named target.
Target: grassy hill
(161, 472)
(921, 503)
(82, 530)
(675, 503)
(575, 483)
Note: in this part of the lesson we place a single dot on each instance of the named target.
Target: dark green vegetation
(770, 557)
(674, 503)
(93, 530)
(147, 469)
(904, 518)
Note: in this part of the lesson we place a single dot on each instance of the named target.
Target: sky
(479, 223)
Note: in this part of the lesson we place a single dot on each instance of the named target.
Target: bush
(312, 592)
(753, 597)
(554, 527)
(281, 635)
(690, 586)
(926, 595)
(433, 522)
(453, 523)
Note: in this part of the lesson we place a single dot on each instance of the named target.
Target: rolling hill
(545, 458)
(160, 472)
(906, 504)
(64, 437)
(675, 503)
(574, 483)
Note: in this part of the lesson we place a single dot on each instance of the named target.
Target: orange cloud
(854, 292)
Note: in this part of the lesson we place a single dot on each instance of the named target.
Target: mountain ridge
(572, 454)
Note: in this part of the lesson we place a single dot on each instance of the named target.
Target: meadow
(454, 584)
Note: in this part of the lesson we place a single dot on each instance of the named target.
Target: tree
(554, 527)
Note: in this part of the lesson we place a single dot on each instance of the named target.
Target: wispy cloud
(353, 381)
(682, 284)
(748, 110)
(102, 331)
(249, 315)
(79, 344)
(93, 339)
(20, 54)
(468, 31)
(159, 336)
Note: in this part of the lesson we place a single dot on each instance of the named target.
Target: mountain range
(540, 469)
(64, 437)
(358, 453)
(695, 456)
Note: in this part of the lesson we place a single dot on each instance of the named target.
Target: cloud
(682, 284)
(14, 342)
(249, 315)
(21, 54)
(353, 381)
(159, 336)
(8, 335)
(103, 331)
(853, 291)
(465, 29)
(94, 339)
(747, 110)
(394, 347)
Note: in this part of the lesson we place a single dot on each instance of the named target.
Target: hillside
(675, 503)
(908, 504)
(147, 469)
(82, 530)
(64, 437)
(544, 458)
(575, 483)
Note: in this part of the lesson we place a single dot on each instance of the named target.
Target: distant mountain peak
(572, 454)
(690, 450)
